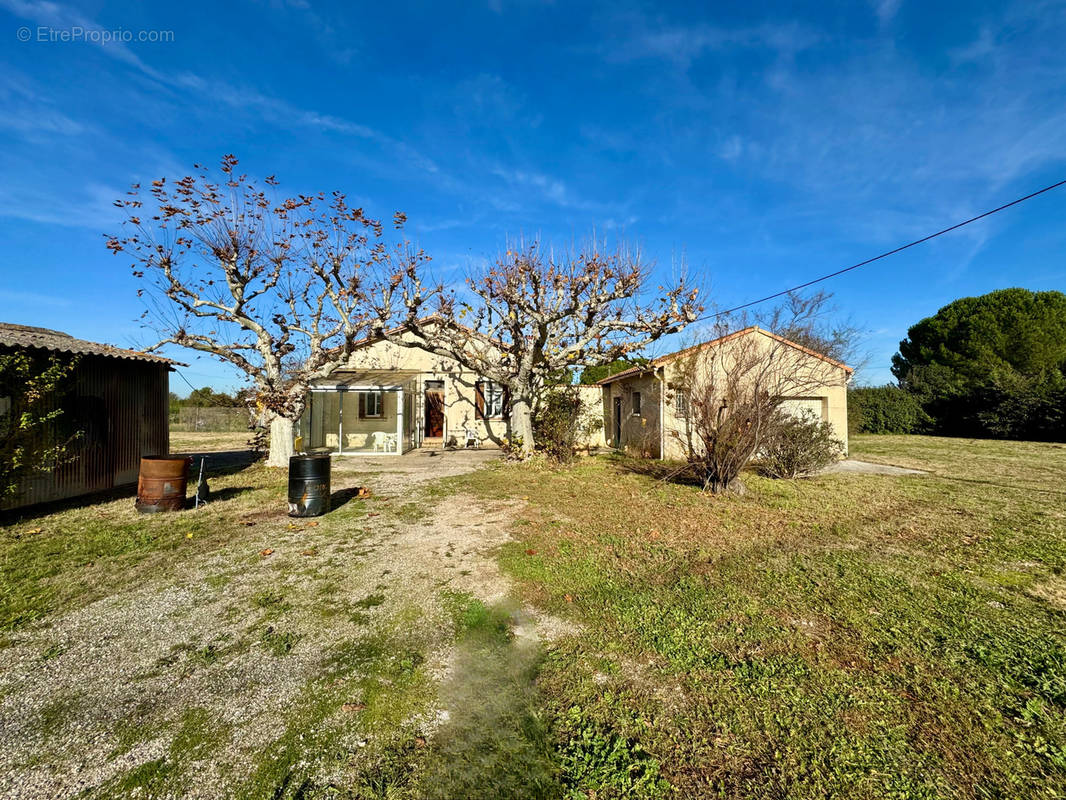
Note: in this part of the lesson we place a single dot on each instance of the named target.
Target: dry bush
(797, 446)
(736, 384)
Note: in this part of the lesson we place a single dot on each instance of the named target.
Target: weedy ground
(232, 651)
(856, 636)
(523, 631)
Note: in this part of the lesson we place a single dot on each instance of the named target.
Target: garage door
(797, 405)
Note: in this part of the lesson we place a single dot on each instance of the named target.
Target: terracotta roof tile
(655, 362)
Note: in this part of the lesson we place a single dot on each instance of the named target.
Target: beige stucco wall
(460, 409)
(640, 432)
(592, 435)
(818, 378)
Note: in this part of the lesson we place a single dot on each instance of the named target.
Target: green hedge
(885, 409)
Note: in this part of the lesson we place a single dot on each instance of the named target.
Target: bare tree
(736, 383)
(814, 321)
(273, 288)
(531, 315)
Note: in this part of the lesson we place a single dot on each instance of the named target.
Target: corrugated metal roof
(12, 335)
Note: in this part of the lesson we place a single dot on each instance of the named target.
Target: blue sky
(763, 144)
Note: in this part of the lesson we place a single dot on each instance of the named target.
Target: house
(390, 399)
(646, 407)
(116, 404)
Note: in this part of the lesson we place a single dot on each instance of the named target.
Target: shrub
(885, 409)
(35, 427)
(1015, 406)
(798, 446)
(557, 423)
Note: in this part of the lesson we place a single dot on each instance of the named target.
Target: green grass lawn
(846, 635)
(857, 636)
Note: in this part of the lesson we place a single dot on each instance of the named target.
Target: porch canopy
(360, 413)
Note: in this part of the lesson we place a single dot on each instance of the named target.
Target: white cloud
(548, 188)
(731, 149)
(682, 44)
(56, 15)
(886, 10)
(90, 207)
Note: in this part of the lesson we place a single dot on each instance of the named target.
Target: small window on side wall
(681, 403)
(636, 404)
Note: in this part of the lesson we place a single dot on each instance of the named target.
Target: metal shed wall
(120, 407)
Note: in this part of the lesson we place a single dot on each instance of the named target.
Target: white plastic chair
(472, 438)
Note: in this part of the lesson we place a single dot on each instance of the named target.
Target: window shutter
(362, 405)
(506, 411)
(479, 398)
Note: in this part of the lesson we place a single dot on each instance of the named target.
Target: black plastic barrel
(309, 485)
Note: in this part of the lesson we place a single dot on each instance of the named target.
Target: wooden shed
(117, 402)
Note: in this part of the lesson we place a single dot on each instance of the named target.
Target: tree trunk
(521, 427)
(281, 445)
(719, 486)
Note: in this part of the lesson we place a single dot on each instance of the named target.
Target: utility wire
(886, 254)
(184, 378)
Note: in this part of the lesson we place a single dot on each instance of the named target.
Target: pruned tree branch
(531, 316)
(275, 288)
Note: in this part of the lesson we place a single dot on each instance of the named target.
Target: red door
(434, 414)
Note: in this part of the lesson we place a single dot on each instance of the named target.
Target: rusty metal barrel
(161, 483)
(309, 485)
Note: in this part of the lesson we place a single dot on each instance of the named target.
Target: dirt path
(855, 466)
(300, 653)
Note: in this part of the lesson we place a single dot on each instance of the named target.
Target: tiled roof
(655, 362)
(374, 338)
(57, 341)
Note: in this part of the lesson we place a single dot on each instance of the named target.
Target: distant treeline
(207, 410)
(992, 366)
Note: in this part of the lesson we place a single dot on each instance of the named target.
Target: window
(372, 404)
(491, 400)
(636, 404)
(681, 403)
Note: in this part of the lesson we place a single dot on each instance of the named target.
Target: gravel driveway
(302, 651)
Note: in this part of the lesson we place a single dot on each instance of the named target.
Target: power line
(886, 254)
(185, 379)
